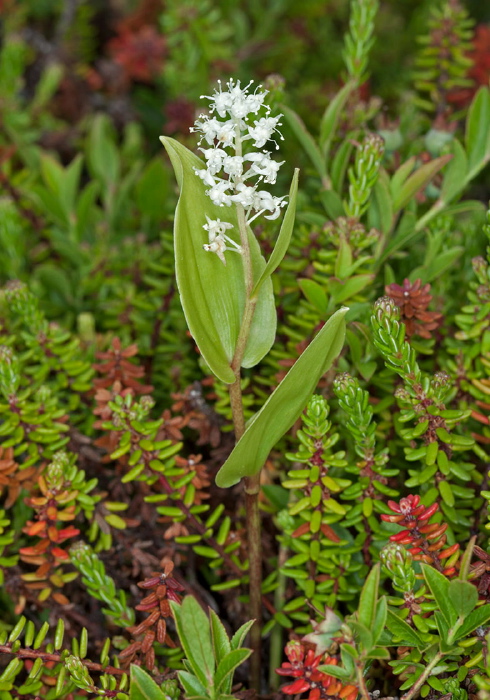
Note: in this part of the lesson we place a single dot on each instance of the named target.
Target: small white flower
(218, 239)
(226, 133)
(230, 134)
(244, 195)
(262, 164)
(219, 195)
(205, 176)
(264, 201)
(214, 158)
(233, 165)
(215, 227)
(263, 129)
(256, 100)
(209, 128)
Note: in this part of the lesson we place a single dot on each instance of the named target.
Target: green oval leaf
(284, 406)
(213, 295)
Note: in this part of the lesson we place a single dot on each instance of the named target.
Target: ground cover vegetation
(244, 378)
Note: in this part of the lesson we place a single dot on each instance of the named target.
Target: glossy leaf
(143, 687)
(212, 294)
(285, 405)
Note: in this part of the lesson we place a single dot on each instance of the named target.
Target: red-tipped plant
(303, 666)
(427, 540)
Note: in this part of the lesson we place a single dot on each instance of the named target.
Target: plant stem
(252, 490)
(55, 657)
(252, 483)
(361, 682)
(421, 680)
(277, 641)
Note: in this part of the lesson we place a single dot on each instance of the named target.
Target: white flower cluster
(228, 172)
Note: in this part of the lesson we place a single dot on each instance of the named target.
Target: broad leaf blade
(285, 232)
(464, 596)
(402, 630)
(143, 687)
(285, 405)
(439, 587)
(195, 637)
(212, 294)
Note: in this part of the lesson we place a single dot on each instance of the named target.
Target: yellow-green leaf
(284, 406)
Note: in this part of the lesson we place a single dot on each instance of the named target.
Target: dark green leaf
(405, 234)
(380, 619)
